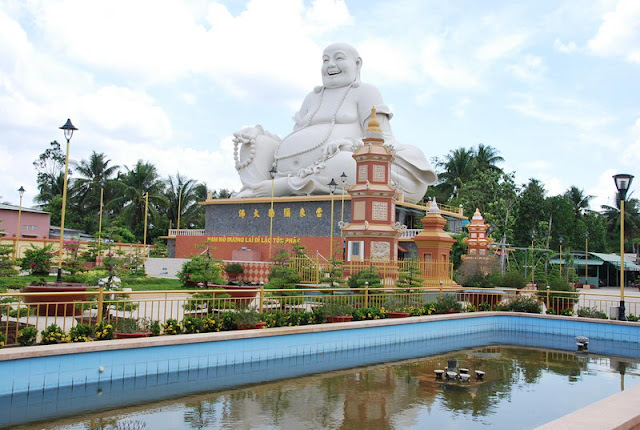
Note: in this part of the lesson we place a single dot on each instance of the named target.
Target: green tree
(486, 158)
(191, 213)
(458, 168)
(530, 211)
(50, 173)
(631, 222)
(132, 187)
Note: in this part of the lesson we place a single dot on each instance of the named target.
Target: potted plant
(448, 304)
(130, 328)
(247, 319)
(395, 308)
(233, 271)
(338, 312)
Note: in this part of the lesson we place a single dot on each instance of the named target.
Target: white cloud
(384, 61)
(631, 155)
(604, 191)
(538, 164)
(530, 69)
(619, 33)
(500, 47)
(448, 71)
(460, 107)
(567, 111)
(565, 48)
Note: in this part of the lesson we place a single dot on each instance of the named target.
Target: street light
(146, 216)
(332, 188)
(68, 133)
(623, 182)
(343, 178)
(586, 257)
(179, 208)
(273, 172)
(533, 238)
(560, 240)
(100, 222)
(17, 244)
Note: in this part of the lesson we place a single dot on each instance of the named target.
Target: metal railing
(185, 232)
(39, 310)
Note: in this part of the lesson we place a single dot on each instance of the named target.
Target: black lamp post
(68, 129)
(623, 182)
(560, 240)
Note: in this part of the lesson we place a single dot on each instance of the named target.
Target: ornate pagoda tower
(373, 232)
(477, 242)
(433, 243)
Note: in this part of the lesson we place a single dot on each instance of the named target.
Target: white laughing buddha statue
(328, 129)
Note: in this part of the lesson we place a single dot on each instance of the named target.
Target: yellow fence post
(548, 288)
(261, 302)
(440, 294)
(100, 304)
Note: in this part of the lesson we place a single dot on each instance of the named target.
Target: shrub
(38, 260)
(234, 268)
(478, 272)
(362, 314)
(104, 331)
(210, 324)
(3, 339)
(245, 318)
(155, 328)
(131, 325)
(632, 317)
(201, 269)
(511, 279)
(53, 334)
(371, 276)
(171, 327)
(337, 309)
(81, 333)
(192, 325)
(484, 307)
(447, 303)
(522, 304)
(27, 336)
(592, 313)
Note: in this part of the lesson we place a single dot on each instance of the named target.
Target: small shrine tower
(433, 243)
(477, 242)
(373, 232)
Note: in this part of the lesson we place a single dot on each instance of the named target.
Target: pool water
(524, 387)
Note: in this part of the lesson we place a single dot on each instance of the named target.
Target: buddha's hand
(335, 146)
(248, 134)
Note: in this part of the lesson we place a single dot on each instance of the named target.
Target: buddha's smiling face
(340, 66)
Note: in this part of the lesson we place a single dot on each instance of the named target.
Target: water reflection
(521, 389)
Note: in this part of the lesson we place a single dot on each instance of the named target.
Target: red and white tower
(477, 242)
(373, 232)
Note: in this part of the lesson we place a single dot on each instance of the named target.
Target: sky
(553, 85)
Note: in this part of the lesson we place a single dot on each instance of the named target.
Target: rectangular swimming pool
(65, 383)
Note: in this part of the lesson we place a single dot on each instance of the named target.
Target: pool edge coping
(21, 352)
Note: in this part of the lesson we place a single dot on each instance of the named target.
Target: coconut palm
(458, 168)
(132, 186)
(185, 193)
(486, 158)
(94, 174)
(579, 200)
(631, 217)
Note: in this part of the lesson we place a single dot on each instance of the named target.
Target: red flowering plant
(38, 260)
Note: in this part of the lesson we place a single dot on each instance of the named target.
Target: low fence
(429, 274)
(67, 309)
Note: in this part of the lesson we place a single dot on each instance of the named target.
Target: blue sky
(553, 85)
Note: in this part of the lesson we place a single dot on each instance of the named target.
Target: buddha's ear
(356, 83)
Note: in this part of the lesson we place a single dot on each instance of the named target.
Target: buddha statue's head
(340, 65)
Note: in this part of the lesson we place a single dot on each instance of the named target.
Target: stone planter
(339, 318)
(55, 305)
(249, 326)
(133, 335)
(397, 314)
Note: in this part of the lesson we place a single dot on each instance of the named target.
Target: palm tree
(95, 173)
(486, 158)
(458, 168)
(191, 213)
(579, 200)
(132, 186)
(631, 217)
